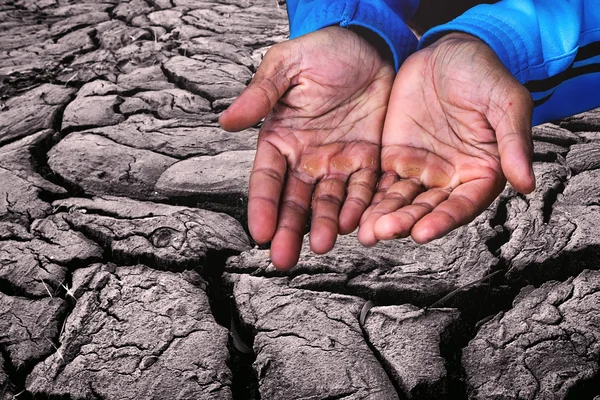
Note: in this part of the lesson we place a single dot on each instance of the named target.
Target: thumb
(270, 82)
(512, 123)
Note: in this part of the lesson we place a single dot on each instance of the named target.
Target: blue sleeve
(550, 46)
(383, 17)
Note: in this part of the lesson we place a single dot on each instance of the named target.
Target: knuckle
(428, 207)
(270, 173)
(362, 186)
(291, 228)
(292, 206)
(267, 199)
(326, 218)
(328, 198)
(396, 197)
(357, 200)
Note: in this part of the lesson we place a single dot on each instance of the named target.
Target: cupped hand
(458, 125)
(324, 96)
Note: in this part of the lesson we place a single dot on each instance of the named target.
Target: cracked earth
(126, 271)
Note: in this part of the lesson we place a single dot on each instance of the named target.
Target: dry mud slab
(126, 271)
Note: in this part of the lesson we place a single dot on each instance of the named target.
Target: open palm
(458, 125)
(324, 96)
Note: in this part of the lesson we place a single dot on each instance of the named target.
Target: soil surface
(126, 270)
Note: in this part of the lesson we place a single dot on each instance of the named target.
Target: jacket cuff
(374, 15)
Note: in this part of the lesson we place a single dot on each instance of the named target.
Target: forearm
(551, 47)
(386, 18)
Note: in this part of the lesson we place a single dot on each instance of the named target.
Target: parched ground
(126, 271)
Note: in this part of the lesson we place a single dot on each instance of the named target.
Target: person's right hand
(458, 127)
(324, 96)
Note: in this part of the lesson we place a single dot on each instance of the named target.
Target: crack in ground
(585, 390)
(550, 199)
(384, 365)
(243, 381)
(39, 164)
(497, 223)
(233, 204)
(15, 379)
(244, 384)
(18, 377)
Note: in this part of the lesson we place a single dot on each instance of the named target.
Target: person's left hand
(458, 125)
(324, 96)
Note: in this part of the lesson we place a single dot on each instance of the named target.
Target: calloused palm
(458, 125)
(324, 96)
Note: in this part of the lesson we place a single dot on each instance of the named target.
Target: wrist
(457, 35)
(376, 41)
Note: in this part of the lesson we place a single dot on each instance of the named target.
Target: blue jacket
(550, 46)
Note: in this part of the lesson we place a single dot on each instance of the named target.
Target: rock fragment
(584, 157)
(177, 138)
(209, 47)
(408, 340)
(83, 18)
(579, 192)
(36, 265)
(145, 78)
(114, 35)
(168, 19)
(226, 173)
(212, 80)
(131, 9)
(83, 161)
(167, 236)
(28, 329)
(307, 344)
(31, 112)
(541, 348)
(553, 234)
(587, 121)
(98, 87)
(84, 112)
(137, 333)
(527, 222)
(20, 184)
(218, 183)
(554, 134)
(171, 104)
(547, 152)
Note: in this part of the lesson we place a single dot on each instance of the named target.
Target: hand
(458, 125)
(324, 96)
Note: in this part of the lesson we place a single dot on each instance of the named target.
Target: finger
(513, 133)
(400, 194)
(266, 183)
(383, 185)
(462, 206)
(360, 192)
(270, 82)
(326, 205)
(398, 224)
(293, 214)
